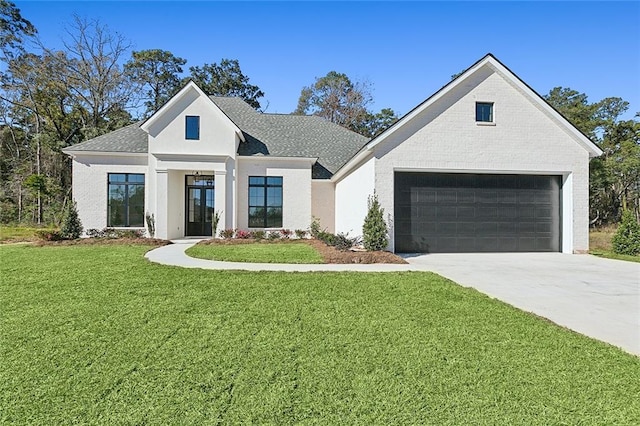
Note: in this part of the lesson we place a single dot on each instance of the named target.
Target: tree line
(53, 98)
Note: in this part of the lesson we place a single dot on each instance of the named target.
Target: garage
(465, 212)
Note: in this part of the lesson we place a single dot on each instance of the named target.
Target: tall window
(265, 202)
(126, 200)
(192, 127)
(484, 112)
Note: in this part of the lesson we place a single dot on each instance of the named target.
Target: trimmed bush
(243, 235)
(300, 233)
(314, 228)
(627, 237)
(374, 231)
(259, 235)
(274, 235)
(71, 228)
(286, 233)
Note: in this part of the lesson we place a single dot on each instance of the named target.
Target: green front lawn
(11, 233)
(600, 245)
(263, 252)
(97, 334)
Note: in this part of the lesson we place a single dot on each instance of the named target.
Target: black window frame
(481, 113)
(128, 182)
(267, 221)
(187, 136)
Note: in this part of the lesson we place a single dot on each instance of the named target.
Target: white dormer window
(484, 112)
(192, 127)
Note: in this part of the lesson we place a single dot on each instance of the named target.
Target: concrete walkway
(596, 297)
(174, 254)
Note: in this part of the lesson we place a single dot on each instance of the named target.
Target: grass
(12, 233)
(290, 252)
(95, 334)
(600, 245)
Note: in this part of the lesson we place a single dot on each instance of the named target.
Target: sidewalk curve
(174, 255)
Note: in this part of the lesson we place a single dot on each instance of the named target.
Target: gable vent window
(192, 127)
(484, 112)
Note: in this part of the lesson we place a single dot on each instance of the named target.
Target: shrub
(71, 228)
(343, 242)
(259, 235)
(374, 230)
(326, 237)
(49, 235)
(314, 228)
(111, 233)
(286, 233)
(151, 224)
(627, 237)
(274, 235)
(300, 233)
(215, 220)
(227, 233)
(243, 235)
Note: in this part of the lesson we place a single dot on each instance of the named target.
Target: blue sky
(406, 50)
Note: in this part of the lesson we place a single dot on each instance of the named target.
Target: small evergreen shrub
(375, 231)
(71, 228)
(627, 238)
(343, 242)
(326, 237)
(300, 233)
(227, 233)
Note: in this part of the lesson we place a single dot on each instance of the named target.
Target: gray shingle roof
(127, 139)
(279, 135)
(284, 135)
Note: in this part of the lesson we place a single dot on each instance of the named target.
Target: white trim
(311, 160)
(74, 154)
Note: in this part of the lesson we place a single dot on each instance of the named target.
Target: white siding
(90, 184)
(296, 189)
(323, 203)
(352, 193)
(524, 139)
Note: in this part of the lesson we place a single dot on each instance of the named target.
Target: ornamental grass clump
(627, 238)
(375, 231)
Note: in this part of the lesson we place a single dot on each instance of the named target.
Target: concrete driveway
(593, 296)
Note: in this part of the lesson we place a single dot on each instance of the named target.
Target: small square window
(192, 127)
(484, 112)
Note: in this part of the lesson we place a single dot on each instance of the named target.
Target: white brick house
(484, 164)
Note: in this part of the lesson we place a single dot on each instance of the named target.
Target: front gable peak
(175, 106)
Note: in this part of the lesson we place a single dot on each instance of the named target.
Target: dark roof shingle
(279, 135)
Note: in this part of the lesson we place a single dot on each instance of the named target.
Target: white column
(221, 200)
(162, 202)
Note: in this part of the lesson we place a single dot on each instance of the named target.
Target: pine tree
(374, 231)
(71, 226)
(627, 237)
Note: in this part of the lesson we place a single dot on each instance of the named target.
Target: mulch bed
(104, 241)
(328, 253)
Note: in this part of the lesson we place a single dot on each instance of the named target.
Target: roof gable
(477, 72)
(189, 93)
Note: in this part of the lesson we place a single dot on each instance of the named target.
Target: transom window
(192, 127)
(484, 112)
(126, 200)
(265, 201)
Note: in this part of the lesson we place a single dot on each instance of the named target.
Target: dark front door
(446, 212)
(200, 195)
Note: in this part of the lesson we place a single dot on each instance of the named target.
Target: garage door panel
(440, 212)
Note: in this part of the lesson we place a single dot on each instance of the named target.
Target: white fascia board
(74, 154)
(310, 160)
(192, 157)
(190, 86)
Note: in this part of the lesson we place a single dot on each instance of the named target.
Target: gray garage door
(460, 212)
